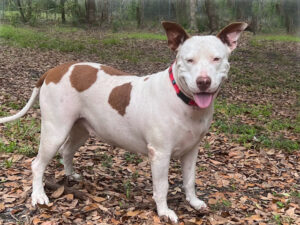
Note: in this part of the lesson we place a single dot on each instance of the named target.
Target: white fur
(156, 122)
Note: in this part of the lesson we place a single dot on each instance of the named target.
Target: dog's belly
(118, 136)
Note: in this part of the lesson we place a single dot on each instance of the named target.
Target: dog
(162, 115)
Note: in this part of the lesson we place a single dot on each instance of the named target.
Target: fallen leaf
(215, 162)
(69, 197)
(58, 192)
(2, 207)
(90, 207)
(133, 213)
(290, 212)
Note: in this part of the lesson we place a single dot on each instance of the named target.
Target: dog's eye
(190, 60)
(217, 59)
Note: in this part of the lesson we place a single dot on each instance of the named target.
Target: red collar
(179, 93)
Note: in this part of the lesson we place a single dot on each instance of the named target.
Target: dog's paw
(197, 204)
(169, 213)
(39, 198)
(75, 176)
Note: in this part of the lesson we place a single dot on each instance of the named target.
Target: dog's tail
(21, 113)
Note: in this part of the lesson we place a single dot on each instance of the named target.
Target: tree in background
(140, 13)
(193, 9)
(62, 10)
(211, 11)
(290, 11)
(262, 15)
(25, 9)
(90, 6)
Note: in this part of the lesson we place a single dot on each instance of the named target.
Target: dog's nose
(203, 83)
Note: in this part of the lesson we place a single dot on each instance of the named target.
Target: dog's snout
(203, 83)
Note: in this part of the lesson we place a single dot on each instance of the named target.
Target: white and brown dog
(162, 115)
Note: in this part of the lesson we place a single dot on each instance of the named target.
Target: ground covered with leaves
(248, 165)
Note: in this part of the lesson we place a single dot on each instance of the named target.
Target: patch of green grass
(8, 163)
(279, 143)
(229, 109)
(118, 39)
(11, 147)
(221, 204)
(279, 125)
(2, 113)
(66, 29)
(295, 194)
(112, 41)
(28, 38)
(282, 38)
(142, 36)
(127, 188)
(132, 158)
(106, 161)
(23, 136)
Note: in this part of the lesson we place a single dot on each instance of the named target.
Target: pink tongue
(203, 100)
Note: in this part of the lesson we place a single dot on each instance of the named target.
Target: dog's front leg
(188, 168)
(160, 166)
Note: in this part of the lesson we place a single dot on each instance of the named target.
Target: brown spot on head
(112, 71)
(175, 33)
(54, 75)
(146, 78)
(83, 76)
(119, 97)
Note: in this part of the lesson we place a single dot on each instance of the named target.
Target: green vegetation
(119, 38)
(231, 120)
(281, 38)
(142, 36)
(106, 160)
(29, 38)
(23, 134)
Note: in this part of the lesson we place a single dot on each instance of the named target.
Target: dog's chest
(189, 134)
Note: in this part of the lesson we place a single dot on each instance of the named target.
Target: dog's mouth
(204, 99)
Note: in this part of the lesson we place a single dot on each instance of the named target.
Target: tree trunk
(140, 13)
(62, 8)
(21, 11)
(29, 11)
(91, 11)
(104, 11)
(193, 9)
(210, 8)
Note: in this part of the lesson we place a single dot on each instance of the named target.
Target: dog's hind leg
(188, 168)
(53, 135)
(77, 137)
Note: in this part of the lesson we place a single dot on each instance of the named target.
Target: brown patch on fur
(112, 71)
(83, 76)
(54, 75)
(119, 97)
(146, 78)
(175, 33)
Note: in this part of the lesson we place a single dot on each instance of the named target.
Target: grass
(232, 119)
(281, 38)
(119, 38)
(29, 38)
(22, 135)
(257, 40)
(255, 111)
(142, 36)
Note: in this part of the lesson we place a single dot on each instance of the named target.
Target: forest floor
(248, 169)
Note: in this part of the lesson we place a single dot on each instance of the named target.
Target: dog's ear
(230, 34)
(175, 33)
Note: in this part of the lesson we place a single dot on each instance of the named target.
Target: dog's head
(202, 61)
